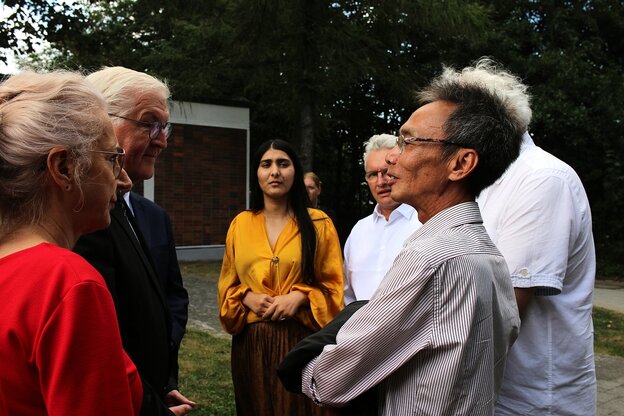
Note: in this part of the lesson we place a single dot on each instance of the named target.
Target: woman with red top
(60, 167)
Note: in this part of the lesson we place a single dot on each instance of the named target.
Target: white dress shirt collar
(402, 210)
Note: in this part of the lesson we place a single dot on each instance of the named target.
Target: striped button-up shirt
(435, 335)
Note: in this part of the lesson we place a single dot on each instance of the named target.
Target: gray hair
(37, 113)
(492, 114)
(485, 74)
(122, 88)
(378, 142)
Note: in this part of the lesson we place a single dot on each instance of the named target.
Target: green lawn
(608, 332)
(205, 373)
(205, 363)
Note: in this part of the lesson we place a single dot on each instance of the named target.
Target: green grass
(608, 332)
(205, 375)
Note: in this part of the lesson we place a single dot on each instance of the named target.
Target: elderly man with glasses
(376, 239)
(434, 337)
(151, 305)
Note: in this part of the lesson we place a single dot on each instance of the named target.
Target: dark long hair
(298, 201)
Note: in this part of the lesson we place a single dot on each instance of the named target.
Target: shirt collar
(126, 198)
(456, 215)
(527, 141)
(402, 210)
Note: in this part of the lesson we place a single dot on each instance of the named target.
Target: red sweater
(60, 348)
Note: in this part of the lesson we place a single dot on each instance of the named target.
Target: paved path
(203, 314)
(609, 296)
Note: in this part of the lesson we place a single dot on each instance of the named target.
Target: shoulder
(244, 219)
(535, 162)
(317, 214)
(540, 176)
(363, 224)
(320, 218)
(322, 222)
(146, 204)
(73, 267)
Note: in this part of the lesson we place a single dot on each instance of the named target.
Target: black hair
(481, 122)
(298, 201)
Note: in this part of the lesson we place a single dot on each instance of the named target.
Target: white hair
(378, 142)
(123, 87)
(40, 111)
(484, 75)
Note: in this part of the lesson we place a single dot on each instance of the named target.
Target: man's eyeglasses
(402, 141)
(373, 175)
(154, 127)
(116, 159)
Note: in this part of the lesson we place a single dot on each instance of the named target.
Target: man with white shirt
(375, 240)
(539, 217)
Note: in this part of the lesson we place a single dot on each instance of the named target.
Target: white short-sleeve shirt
(538, 215)
(372, 247)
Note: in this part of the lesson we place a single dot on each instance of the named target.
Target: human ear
(462, 164)
(61, 167)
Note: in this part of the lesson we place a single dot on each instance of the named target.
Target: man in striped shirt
(435, 335)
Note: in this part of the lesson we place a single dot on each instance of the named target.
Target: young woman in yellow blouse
(281, 280)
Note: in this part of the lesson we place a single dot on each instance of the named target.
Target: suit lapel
(140, 216)
(124, 218)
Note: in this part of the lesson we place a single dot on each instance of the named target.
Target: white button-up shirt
(538, 215)
(371, 247)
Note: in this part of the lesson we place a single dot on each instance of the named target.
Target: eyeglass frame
(117, 162)
(375, 174)
(402, 141)
(155, 126)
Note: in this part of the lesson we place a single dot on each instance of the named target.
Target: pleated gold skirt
(256, 352)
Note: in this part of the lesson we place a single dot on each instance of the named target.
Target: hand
(180, 410)
(285, 306)
(178, 404)
(258, 302)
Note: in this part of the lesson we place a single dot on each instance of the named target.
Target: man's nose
(124, 183)
(392, 155)
(382, 177)
(160, 140)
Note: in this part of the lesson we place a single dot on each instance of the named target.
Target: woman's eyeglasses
(116, 159)
(154, 127)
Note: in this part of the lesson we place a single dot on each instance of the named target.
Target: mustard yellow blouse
(250, 263)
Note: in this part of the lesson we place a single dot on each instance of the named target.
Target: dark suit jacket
(155, 225)
(144, 320)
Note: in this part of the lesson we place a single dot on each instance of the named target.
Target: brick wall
(200, 180)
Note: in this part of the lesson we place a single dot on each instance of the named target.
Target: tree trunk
(309, 65)
(307, 132)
